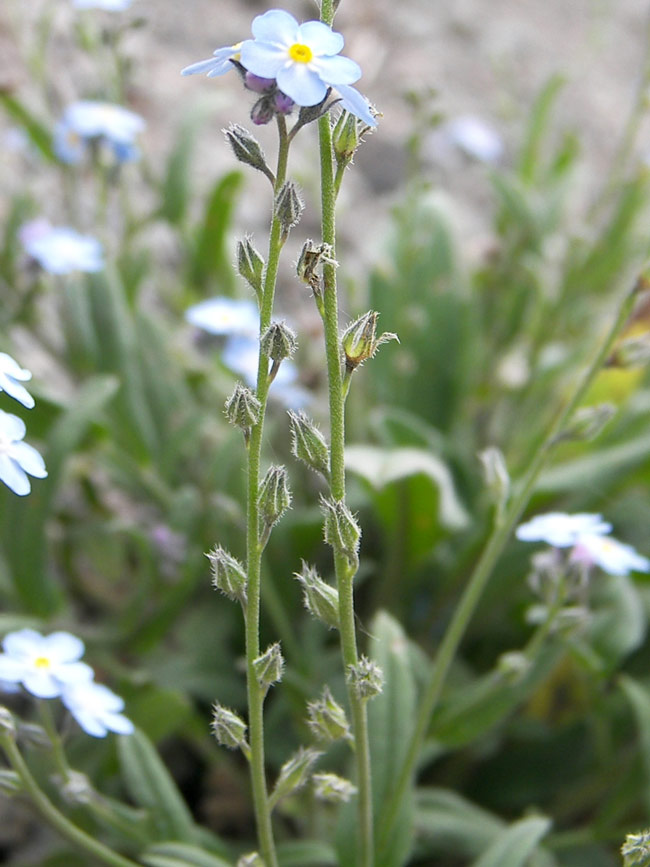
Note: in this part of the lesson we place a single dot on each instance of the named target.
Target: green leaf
(618, 622)
(638, 696)
(176, 190)
(38, 132)
(530, 160)
(514, 846)
(450, 823)
(181, 855)
(212, 260)
(306, 853)
(150, 785)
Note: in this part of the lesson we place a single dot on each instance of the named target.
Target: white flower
(561, 530)
(44, 665)
(96, 708)
(87, 120)
(11, 373)
(303, 58)
(216, 65)
(608, 554)
(225, 316)
(108, 5)
(17, 459)
(61, 250)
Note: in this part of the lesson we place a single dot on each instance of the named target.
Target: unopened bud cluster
(295, 772)
(360, 341)
(250, 265)
(332, 788)
(308, 443)
(279, 342)
(228, 574)
(341, 530)
(365, 677)
(320, 598)
(228, 728)
(269, 666)
(326, 719)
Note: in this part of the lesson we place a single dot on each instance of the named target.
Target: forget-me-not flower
(61, 250)
(107, 5)
(111, 125)
(224, 316)
(44, 665)
(17, 458)
(608, 554)
(96, 708)
(11, 377)
(561, 530)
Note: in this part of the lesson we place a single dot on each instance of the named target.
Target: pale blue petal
(302, 84)
(41, 684)
(89, 722)
(276, 25)
(213, 66)
(16, 390)
(11, 670)
(63, 647)
(262, 58)
(13, 477)
(74, 673)
(12, 428)
(116, 722)
(11, 367)
(356, 104)
(29, 459)
(320, 38)
(336, 70)
(23, 643)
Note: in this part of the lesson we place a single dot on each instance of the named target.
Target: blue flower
(44, 665)
(96, 708)
(608, 554)
(216, 65)
(111, 125)
(61, 250)
(225, 316)
(11, 375)
(108, 5)
(561, 530)
(17, 459)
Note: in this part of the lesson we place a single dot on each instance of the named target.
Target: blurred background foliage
(145, 476)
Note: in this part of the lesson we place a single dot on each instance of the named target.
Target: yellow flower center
(300, 53)
(42, 662)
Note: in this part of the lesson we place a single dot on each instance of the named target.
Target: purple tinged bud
(283, 103)
(258, 84)
(263, 111)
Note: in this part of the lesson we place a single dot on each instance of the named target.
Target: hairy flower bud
(631, 353)
(279, 341)
(76, 789)
(252, 859)
(332, 788)
(7, 722)
(588, 422)
(345, 138)
(636, 849)
(34, 735)
(360, 342)
(247, 149)
(341, 530)
(320, 598)
(274, 497)
(263, 111)
(283, 103)
(308, 443)
(288, 206)
(294, 773)
(10, 784)
(327, 720)
(269, 666)
(243, 408)
(250, 264)
(229, 728)
(496, 476)
(365, 677)
(228, 574)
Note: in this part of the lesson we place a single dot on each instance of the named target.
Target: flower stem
(343, 570)
(484, 567)
(254, 545)
(56, 819)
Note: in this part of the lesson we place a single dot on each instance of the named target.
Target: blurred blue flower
(17, 458)
(11, 375)
(113, 126)
(475, 137)
(108, 5)
(216, 65)
(44, 665)
(241, 355)
(225, 316)
(560, 529)
(61, 250)
(96, 708)
(608, 554)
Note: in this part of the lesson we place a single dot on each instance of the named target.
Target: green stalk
(56, 819)
(344, 573)
(253, 542)
(484, 567)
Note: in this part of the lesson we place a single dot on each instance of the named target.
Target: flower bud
(247, 149)
(632, 352)
(365, 677)
(274, 497)
(76, 789)
(283, 103)
(288, 206)
(588, 422)
(243, 408)
(258, 84)
(252, 859)
(345, 138)
(250, 264)
(294, 773)
(513, 665)
(7, 722)
(308, 443)
(341, 530)
(327, 720)
(332, 788)
(496, 476)
(263, 111)
(229, 728)
(636, 849)
(279, 341)
(10, 783)
(269, 666)
(320, 598)
(33, 735)
(228, 574)
(359, 340)
(310, 262)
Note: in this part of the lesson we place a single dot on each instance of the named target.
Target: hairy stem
(484, 567)
(253, 541)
